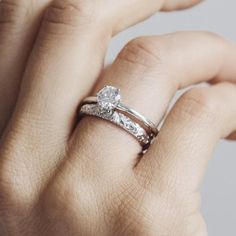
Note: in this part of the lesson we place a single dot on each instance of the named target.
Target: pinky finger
(187, 140)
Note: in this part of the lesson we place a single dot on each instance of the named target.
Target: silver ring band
(121, 120)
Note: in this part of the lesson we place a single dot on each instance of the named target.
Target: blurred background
(219, 186)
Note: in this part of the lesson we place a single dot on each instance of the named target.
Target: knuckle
(56, 202)
(71, 13)
(13, 12)
(220, 43)
(136, 211)
(142, 51)
(212, 35)
(59, 193)
(62, 200)
(198, 103)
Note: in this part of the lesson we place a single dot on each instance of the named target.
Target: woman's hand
(62, 178)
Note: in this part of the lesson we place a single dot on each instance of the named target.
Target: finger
(19, 21)
(177, 162)
(149, 71)
(119, 11)
(170, 5)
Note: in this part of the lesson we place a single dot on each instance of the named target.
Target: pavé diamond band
(107, 105)
(119, 119)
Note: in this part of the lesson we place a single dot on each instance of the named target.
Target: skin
(60, 178)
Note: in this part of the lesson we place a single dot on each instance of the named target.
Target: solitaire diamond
(108, 98)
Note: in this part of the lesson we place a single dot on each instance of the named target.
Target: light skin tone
(60, 178)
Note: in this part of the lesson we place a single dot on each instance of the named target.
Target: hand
(60, 179)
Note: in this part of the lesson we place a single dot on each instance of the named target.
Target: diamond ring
(107, 105)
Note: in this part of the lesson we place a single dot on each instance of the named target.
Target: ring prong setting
(108, 98)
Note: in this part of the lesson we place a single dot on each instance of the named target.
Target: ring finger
(149, 71)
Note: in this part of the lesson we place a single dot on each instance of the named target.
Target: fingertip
(171, 5)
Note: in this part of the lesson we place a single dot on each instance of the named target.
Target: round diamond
(108, 98)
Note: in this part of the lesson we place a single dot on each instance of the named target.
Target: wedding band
(107, 105)
(123, 108)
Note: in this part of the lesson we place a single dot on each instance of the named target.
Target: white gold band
(119, 119)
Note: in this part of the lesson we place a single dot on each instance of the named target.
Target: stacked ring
(107, 105)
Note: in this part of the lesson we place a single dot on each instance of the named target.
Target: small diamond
(133, 127)
(116, 117)
(108, 98)
(129, 124)
(124, 120)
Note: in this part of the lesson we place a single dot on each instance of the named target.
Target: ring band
(119, 119)
(123, 108)
(107, 105)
